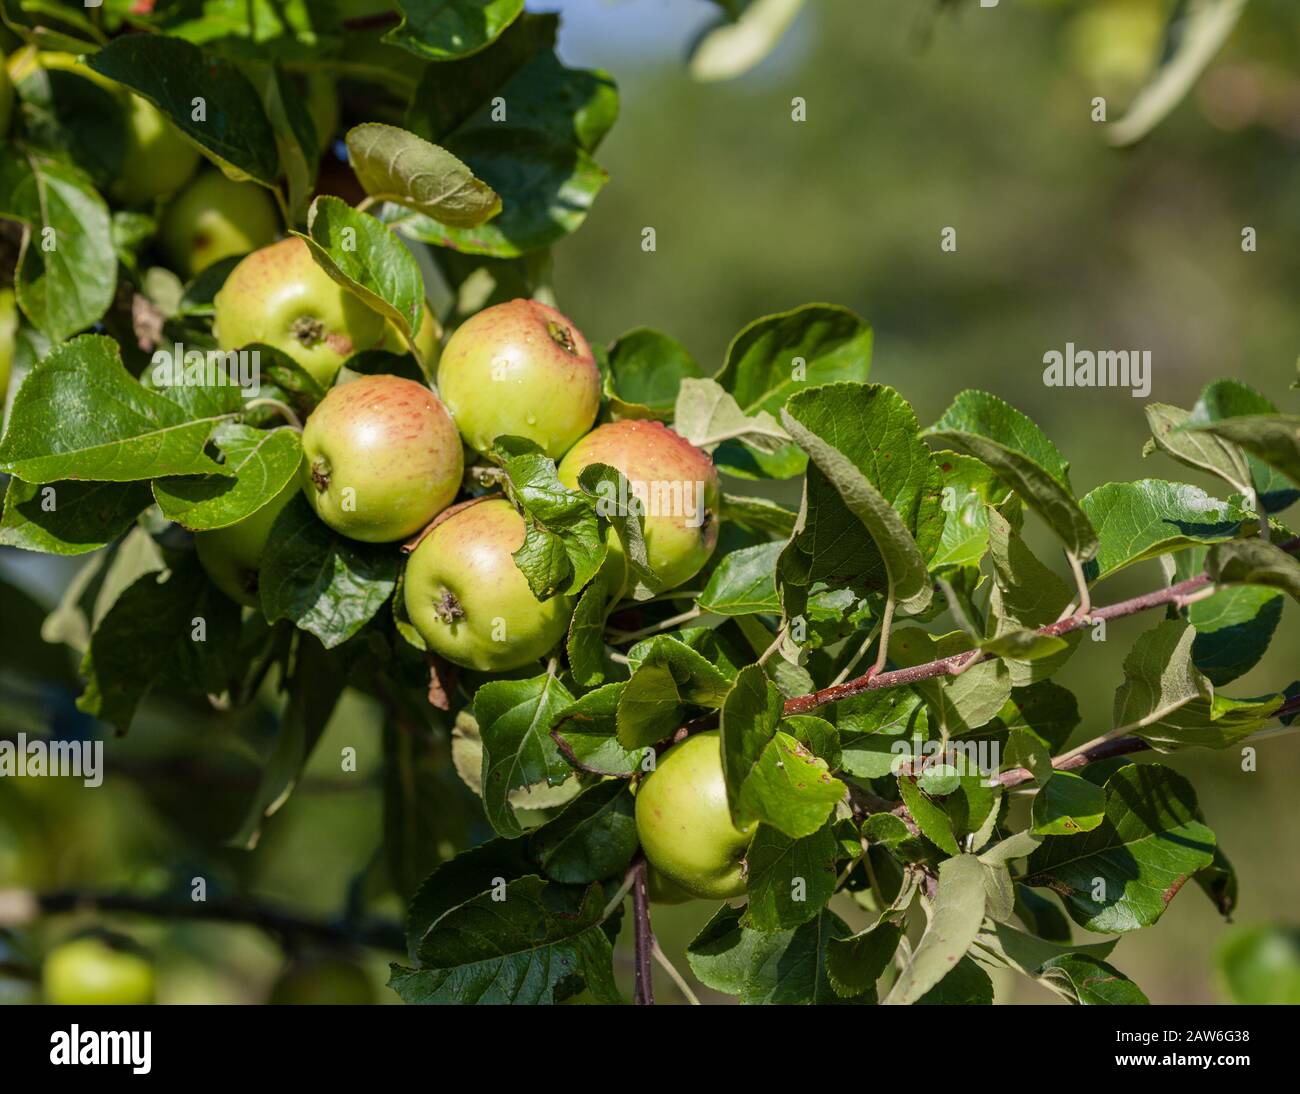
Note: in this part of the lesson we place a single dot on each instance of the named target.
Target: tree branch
(958, 662)
(18, 906)
(644, 994)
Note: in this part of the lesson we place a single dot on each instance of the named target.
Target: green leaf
(1122, 874)
(707, 415)
(1255, 562)
(80, 414)
(69, 517)
(667, 676)
(323, 583)
(172, 74)
(514, 719)
(1045, 707)
(66, 113)
(985, 427)
(744, 582)
(1233, 399)
(610, 490)
(1196, 31)
(934, 823)
(854, 964)
(969, 486)
(646, 370)
(767, 967)
(585, 645)
(1233, 626)
(750, 715)
(760, 514)
(1140, 520)
(953, 924)
(592, 839)
(394, 165)
(780, 355)
(366, 258)
(1067, 805)
(264, 462)
(1169, 703)
(171, 629)
(789, 788)
(1202, 451)
(1090, 982)
(789, 880)
(540, 944)
(66, 274)
(443, 30)
(882, 473)
(872, 723)
(586, 733)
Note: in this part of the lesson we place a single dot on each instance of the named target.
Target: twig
(1176, 595)
(19, 906)
(644, 994)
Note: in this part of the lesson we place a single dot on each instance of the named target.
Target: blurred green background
(919, 117)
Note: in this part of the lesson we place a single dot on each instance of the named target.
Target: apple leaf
(985, 427)
(1196, 449)
(443, 30)
(788, 880)
(80, 414)
(67, 266)
(1066, 805)
(707, 414)
(264, 462)
(1233, 399)
(1122, 874)
(1255, 562)
(586, 733)
(645, 373)
(174, 75)
(592, 839)
(323, 583)
(744, 582)
(69, 517)
(367, 259)
(394, 165)
(514, 719)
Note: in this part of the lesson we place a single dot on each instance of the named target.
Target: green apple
(8, 335)
(279, 296)
(684, 824)
(215, 217)
(428, 339)
(230, 555)
(470, 601)
(157, 160)
(520, 369)
(323, 981)
(676, 483)
(381, 458)
(90, 971)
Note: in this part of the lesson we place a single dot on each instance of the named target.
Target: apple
(468, 599)
(381, 458)
(279, 296)
(91, 971)
(520, 369)
(676, 483)
(684, 825)
(322, 981)
(215, 217)
(230, 555)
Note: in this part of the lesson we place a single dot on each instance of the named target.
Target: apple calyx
(320, 473)
(448, 607)
(562, 336)
(308, 331)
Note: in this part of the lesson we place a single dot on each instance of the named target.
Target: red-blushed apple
(469, 600)
(677, 485)
(685, 826)
(215, 217)
(381, 458)
(279, 296)
(230, 556)
(520, 369)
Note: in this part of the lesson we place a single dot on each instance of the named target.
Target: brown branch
(949, 666)
(644, 993)
(19, 906)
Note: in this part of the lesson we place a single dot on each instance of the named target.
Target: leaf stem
(663, 625)
(284, 408)
(671, 970)
(1081, 583)
(853, 661)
